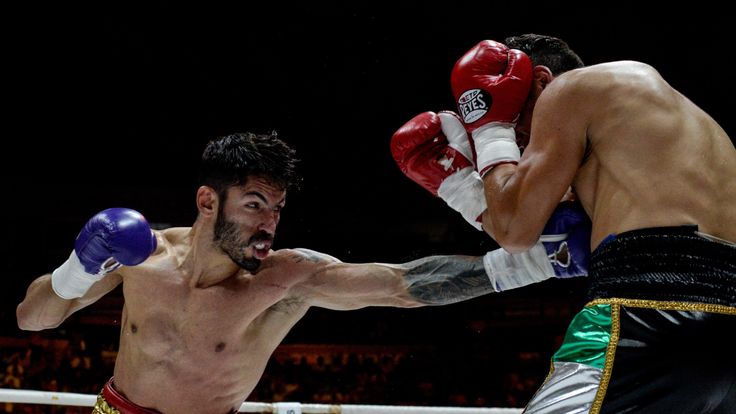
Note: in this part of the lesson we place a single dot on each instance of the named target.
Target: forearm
(513, 218)
(110, 239)
(442, 280)
(42, 308)
(434, 280)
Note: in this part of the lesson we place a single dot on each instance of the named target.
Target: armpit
(288, 305)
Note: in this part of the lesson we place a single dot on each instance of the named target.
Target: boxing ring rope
(88, 400)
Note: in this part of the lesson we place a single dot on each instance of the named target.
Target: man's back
(649, 166)
(653, 158)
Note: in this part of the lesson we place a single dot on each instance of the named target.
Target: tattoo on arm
(312, 256)
(441, 280)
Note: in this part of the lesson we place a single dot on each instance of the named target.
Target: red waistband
(122, 404)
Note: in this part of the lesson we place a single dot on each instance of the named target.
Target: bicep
(329, 283)
(551, 161)
(345, 286)
(434, 280)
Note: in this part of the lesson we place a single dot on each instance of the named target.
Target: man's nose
(269, 221)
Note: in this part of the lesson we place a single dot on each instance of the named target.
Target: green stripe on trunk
(587, 337)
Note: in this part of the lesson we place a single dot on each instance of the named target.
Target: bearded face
(228, 238)
(247, 217)
(229, 241)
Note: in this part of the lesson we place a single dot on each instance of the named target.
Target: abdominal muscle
(164, 370)
(202, 351)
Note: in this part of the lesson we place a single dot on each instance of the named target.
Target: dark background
(111, 105)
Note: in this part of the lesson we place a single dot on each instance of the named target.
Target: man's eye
(255, 206)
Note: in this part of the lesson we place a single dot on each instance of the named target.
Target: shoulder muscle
(302, 254)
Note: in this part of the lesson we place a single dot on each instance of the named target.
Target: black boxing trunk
(665, 263)
(656, 336)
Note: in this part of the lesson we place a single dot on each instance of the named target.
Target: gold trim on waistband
(102, 407)
(666, 305)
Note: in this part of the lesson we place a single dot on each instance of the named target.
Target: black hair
(230, 159)
(548, 51)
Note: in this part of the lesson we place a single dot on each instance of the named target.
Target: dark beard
(228, 241)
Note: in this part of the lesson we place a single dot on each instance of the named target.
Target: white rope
(393, 409)
(46, 397)
(87, 400)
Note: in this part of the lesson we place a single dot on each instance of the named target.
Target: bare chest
(164, 315)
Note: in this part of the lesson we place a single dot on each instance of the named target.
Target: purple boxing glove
(563, 251)
(113, 237)
(121, 234)
(566, 238)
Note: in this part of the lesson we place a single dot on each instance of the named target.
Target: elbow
(511, 233)
(516, 243)
(30, 321)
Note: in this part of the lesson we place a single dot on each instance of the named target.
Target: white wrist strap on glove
(463, 191)
(70, 281)
(495, 143)
(510, 271)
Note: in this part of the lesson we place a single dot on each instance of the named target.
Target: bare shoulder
(302, 256)
(609, 77)
(172, 244)
(616, 68)
(170, 238)
(174, 234)
(296, 268)
(598, 91)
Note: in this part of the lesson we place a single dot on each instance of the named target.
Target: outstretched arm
(562, 252)
(435, 280)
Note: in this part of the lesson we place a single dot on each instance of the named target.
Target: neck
(204, 264)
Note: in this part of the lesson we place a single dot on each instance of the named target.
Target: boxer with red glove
(433, 150)
(491, 83)
(111, 238)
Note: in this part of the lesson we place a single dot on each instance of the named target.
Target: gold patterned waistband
(102, 407)
(666, 305)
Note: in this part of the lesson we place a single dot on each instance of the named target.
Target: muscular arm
(44, 309)
(521, 197)
(436, 280)
(111, 238)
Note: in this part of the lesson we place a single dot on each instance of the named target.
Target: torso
(185, 349)
(654, 158)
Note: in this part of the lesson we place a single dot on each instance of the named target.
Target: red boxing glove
(433, 150)
(491, 83)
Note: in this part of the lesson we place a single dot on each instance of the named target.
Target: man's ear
(541, 76)
(207, 200)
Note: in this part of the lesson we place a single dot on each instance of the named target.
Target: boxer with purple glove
(113, 237)
(204, 313)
